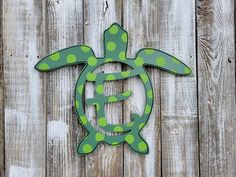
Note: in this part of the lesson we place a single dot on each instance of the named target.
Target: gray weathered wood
(98, 16)
(2, 153)
(64, 29)
(37, 110)
(179, 94)
(23, 88)
(140, 20)
(216, 68)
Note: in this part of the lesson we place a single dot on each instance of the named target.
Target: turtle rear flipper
(89, 143)
(137, 143)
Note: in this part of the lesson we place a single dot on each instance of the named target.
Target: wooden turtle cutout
(115, 48)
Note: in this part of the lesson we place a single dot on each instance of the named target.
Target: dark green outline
(79, 56)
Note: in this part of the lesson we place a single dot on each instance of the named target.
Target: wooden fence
(192, 128)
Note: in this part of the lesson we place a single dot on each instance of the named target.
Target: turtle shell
(128, 132)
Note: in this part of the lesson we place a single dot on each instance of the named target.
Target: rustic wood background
(192, 129)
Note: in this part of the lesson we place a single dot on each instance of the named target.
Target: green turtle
(115, 47)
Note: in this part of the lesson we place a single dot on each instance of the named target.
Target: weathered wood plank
(141, 22)
(23, 36)
(217, 108)
(64, 29)
(179, 94)
(2, 153)
(98, 16)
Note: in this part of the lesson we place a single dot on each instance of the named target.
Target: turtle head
(70, 56)
(115, 42)
(162, 61)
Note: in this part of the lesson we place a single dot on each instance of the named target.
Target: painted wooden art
(115, 48)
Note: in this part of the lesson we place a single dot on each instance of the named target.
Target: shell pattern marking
(115, 47)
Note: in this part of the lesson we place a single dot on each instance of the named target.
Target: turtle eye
(67, 57)
(162, 61)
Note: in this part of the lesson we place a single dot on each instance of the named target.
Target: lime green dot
(142, 146)
(130, 124)
(138, 61)
(118, 129)
(144, 77)
(55, 56)
(92, 61)
(129, 138)
(97, 106)
(124, 37)
(102, 121)
(71, 58)
(147, 109)
(113, 29)
(76, 104)
(111, 46)
(149, 51)
(114, 143)
(175, 61)
(85, 49)
(100, 89)
(141, 125)
(108, 60)
(161, 61)
(150, 94)
(125, 73)
(80, 89)
(110, 77)
(122, 55)
(83, 120)
(87, 148)
(99, 136)
(91, 76)
(43, 66)
(127, 93)
(112, 99)
(187, 70)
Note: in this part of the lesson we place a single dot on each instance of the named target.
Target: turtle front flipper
(70, 56)
(163, 61)
(137, 143)
(89, 143)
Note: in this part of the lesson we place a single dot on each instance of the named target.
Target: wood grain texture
(37, 114)
(217, 108)
(2, 152)
(98, 16)
(179, 94)
(25, 137)
(64, 29)
(140, 21)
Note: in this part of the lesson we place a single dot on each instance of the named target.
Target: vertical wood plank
(179, 94)
(99, 15)
(141, 22)
(64, 29)
(2, 153)
(216, 66)
(23, 35)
